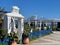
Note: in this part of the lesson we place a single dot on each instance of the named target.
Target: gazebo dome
(14, 15)
(15, 12)
(15, 7)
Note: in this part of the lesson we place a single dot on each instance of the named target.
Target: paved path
(52, 39)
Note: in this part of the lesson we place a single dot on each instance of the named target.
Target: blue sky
(39, 8)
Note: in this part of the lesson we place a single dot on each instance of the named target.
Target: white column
(35, 23)
(20, 28)
(46, 23)
(40, 25)
(9, 24)
(19, 25)
(29, 22)
(22, 25)
(14, 28)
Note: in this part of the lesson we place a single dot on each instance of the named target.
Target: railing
(40, 33)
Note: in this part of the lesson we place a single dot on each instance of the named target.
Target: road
(52, 39)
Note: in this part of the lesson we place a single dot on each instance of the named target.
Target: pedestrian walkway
(52, 39)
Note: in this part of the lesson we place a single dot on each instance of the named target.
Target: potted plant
(25, 39)
(13, 39)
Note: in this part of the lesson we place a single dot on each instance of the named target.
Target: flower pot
(26, 41)
(14, 43)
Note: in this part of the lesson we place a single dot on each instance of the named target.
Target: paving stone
(53, 39)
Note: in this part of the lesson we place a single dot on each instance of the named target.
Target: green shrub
(3, 33)
(13, 37)
(33, 38)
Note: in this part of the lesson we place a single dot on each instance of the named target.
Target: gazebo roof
(14, 12)
(14, 15)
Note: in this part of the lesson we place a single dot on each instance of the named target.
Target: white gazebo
(13, 18)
